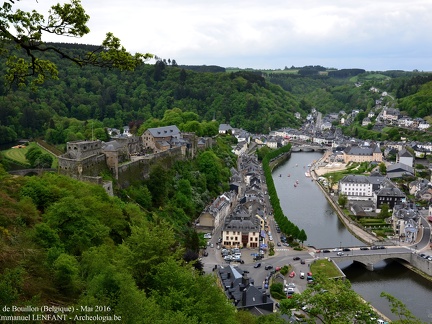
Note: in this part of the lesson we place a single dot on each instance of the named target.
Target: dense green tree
(382, 168)
(329, 301)
(197, 296)
(385, 211)
(158, 182)
(66, 273)
(44, 160)
(209, 164)
(7, 135)
(32, 155)
(342, 200)
(25, 30)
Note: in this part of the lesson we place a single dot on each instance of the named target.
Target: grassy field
(18, 155)
(325, 267)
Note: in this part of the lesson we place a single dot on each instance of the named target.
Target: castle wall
(90, 166)
(140, 169)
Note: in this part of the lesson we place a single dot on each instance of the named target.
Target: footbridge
(370, 257)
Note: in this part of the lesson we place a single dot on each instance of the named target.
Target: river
(306, 206)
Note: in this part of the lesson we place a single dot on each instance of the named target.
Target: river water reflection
(306, 206)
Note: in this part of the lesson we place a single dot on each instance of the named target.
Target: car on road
(302, 261)
(268, 267)
(205, 253)
(211, 245)
(296, 258)
(346, 249)
(340, 253)
(257, 265)
(302, 275)
(279, 244)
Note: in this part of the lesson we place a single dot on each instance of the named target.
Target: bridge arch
(368, 260)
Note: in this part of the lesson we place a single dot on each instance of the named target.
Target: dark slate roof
(240, 289)
(164, 131)
(390, 192)
(404, 153)
(398, 167)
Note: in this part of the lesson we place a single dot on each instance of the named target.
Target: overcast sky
(370, 34)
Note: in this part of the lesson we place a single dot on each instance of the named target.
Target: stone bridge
(369, 259)
(308, 148)
(30, 172)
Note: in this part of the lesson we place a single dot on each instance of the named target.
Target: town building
(370, 153)
(242, 292)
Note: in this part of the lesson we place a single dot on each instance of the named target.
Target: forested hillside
(333, 94)
(257, 101)
(117, 98)
(65, 242)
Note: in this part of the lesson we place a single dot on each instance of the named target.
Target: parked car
(337, 250)
(364, 248)
(278, 268)
(279, 244)
(302, 261)
(257, 265)
(346, 249)
(309, 274)
(205, 253)
(340, 253)
(296, 258)
(268, 267)
(326, 251)
(292, 274)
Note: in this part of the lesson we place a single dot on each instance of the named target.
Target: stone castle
(129, 158)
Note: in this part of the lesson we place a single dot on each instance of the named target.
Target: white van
(302, 275)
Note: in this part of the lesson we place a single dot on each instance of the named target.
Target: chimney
(245, 280)
(244, 297)
(264, 298)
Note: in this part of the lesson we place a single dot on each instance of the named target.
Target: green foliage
(385, 211)
(24, 30)
(342, 200)
(66, 273)
(11, 281)
(276, 290)
(400, 310)
(382, 168)
(210, 165)
(332, 301)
